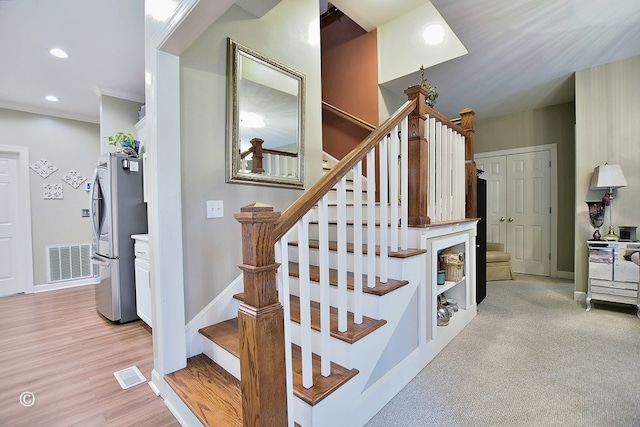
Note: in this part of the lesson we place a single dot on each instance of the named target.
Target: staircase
(355, 299)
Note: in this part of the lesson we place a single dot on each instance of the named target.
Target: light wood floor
(58, 347)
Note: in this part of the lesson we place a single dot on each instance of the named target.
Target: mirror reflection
(266, 101)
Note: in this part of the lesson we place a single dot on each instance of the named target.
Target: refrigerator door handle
(92, 213)
(98, 261)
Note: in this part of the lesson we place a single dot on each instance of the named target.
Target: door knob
(510, 219)
(502, 219)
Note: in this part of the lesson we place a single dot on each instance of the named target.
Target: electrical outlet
(215, 209)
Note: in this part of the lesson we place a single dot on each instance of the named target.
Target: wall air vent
(70, 262)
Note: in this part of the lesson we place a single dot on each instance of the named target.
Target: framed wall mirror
(265, 102)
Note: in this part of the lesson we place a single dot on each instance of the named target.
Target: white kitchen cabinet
(142, 277)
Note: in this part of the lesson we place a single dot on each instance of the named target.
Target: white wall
(212, 248)
(607, 130)
(406, 31)
(116, 115)
(68, 144)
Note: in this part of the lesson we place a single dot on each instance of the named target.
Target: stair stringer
(365, 354)
(408, 312)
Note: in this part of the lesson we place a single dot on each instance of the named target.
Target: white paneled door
(12, 261)
(495, 173)
(529, 212)
(519, 208)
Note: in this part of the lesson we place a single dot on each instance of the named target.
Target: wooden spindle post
(418, 159)
(471, 187)
(261, 322)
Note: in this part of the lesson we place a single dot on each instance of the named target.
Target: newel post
(418, 159)
(256, 144)
(471, 188)
(261, 322)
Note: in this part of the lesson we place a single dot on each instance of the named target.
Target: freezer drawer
(107, 289)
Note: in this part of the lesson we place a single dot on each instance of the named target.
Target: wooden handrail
(246, 153)
(269, 151)
(446, 121)
(348, 116)
(279, 153)
(301, 206)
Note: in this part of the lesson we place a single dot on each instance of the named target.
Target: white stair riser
(333, 233)
(332, 195)
(340, 350)
(332, 212)
(222, 357)
(369, 302)
(394, 264)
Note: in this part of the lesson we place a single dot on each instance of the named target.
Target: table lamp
(608, 177)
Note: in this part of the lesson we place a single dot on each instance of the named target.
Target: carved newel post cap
(256, 212)
(257, 207)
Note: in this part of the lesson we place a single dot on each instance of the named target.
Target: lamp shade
(607, 176)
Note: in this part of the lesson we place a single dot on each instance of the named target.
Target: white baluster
(357, 243)
(305, 301)
(371, 219)
(446, 174)
(393, 185)
(325, 303)
(432, 176)
(342, 255)
(266, 164)
(384, 213)
(438, 185)
(404, 186)
(282, 256)
(462, 176)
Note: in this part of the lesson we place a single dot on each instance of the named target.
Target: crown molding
(49, 112)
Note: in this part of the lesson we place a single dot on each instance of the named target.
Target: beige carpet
(532, 357)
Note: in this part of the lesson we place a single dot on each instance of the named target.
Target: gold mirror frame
(270, 96)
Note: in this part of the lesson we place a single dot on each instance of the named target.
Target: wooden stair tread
(225, 334)
(354, 331)
(364, 222)
(379, 289)
(323, 386)
(333, 246)
(209, 391)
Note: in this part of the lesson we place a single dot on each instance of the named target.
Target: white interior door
(13, 267)
(518, 207)
(495, 173)
(529, 212)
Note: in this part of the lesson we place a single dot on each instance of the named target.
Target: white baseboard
(580, 296)
(64, 285)
(569, 275)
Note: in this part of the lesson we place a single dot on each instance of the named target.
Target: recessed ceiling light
(251, 120)
(59, 53)
(433, 34)
(52, 98)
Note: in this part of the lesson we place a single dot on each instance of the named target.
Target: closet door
(529, 212)
(495, 173)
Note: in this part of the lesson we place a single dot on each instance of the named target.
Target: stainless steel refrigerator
(117, 211)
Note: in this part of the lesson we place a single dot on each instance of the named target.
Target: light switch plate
(215, 209)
